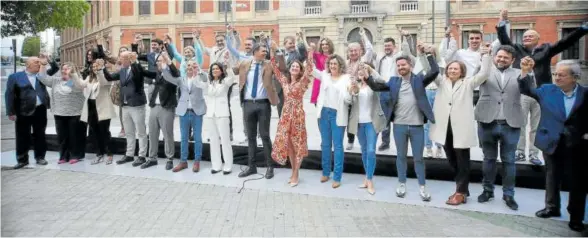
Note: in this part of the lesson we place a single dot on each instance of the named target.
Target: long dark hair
(94, 56)
(287, 73)
(222, 69)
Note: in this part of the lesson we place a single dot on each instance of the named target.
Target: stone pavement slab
(43, 202)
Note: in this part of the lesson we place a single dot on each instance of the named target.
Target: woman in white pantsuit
(216, 119)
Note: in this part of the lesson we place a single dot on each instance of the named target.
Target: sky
(46, 38)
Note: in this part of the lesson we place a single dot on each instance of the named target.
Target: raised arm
(277, 72)
(171, 48)
(102, 79)
(140, 56)
(54, 68)
(377, 85)
(234, 52)
(481, 76)
(368, 47)
(568, 41)
(451, 52)
(44, 78)
(526, 79)
(433, 72)
(167, 76)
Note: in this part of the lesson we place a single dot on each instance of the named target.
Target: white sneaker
(401, 190)
(349, 146)
(439, 153)
(424, 194)
(428, 153)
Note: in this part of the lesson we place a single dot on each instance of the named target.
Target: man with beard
(410, 111)
(386, 67)
(499, 115)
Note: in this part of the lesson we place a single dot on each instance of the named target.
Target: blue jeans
(367, 140)
(490, 135)
(187, 121)
(431, 98)
(402, 134)
(331, 135)
(385, 103)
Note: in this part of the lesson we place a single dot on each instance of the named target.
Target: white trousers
(134, 122)
(219, 128)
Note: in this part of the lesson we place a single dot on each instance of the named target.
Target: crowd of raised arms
(424, 96)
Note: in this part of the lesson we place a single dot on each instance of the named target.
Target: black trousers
(258, 113)
(350, 137)
(68, 131)
(101, 130)
(230, 113)
(281, 102)
(38, 123)
(459, 159)
(571, 162)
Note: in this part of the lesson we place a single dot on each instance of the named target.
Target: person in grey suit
(500, 118)
(191, 109)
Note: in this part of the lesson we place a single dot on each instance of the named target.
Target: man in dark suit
(561, 137)
(27, 102)
(542, 55)
(132, 94)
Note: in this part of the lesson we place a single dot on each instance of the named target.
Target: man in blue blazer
(558, 137)
(27, 102)
(410, 110)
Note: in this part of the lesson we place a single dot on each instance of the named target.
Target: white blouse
(365, 107)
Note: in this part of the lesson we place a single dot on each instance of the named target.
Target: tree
(31, 46)
(31, 17)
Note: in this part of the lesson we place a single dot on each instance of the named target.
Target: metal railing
(361, 8)
(311, 11)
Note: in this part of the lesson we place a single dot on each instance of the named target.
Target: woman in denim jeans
(367, 119)
(332, 104)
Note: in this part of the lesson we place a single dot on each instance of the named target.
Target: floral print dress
(292, 124)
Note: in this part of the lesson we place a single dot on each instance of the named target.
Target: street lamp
(237, 5)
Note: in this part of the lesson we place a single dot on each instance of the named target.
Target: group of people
(424, 95)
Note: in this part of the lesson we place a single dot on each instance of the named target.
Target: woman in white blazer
(217, 117)
(98, 109)
(333, 113)
(367, 119)
(455, 126)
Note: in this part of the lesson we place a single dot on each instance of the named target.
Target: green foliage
(31, 46)
(31, 17)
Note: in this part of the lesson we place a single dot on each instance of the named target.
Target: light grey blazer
(188, 91)
(494, 95)
(378, 116)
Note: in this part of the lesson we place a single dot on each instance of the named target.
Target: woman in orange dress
(291, 136)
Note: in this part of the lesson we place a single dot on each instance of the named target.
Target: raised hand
(138, 38)
(420, 47)
(361, 31)
(167, 39)
(196, 34)
(404, 33)
(503, 15)
(133, 56)
(527, 64)
(485, 49)
(274, 46)
(100, 63)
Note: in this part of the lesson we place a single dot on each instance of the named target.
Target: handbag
(115, 93)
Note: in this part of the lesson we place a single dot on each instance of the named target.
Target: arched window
(355, 37)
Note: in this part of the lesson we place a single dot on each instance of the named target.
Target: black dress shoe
(269, 173)
(247, 172)
(510, 202)
(20, 165)
(576, 226)
(169, 165)
(212, 171)
(547, 213)
(139, 161)
(226, 172)
(125, 159)
(485, 196)
(149, 163)
(41, 161)
(384, 147)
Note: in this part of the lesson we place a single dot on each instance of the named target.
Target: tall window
(516, 35)
(490, 37)
(465, 36)
(98, 12)
(224, 5)
(144, 7)
(574, 51)
(189, 6)
(107, 10)
(312, 3)
(313, 39)
(187, 40)
(261, 5)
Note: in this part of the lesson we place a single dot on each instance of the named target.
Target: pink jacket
(320, 61)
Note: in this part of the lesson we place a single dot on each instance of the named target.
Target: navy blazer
(20, 96)
(149, 58)
(553, 123)
(418, 83)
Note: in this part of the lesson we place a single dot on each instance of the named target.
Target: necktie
(255, 81)
(124, 74)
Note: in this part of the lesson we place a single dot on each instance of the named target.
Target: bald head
(33, 65)
(125, 58)
(530, 39)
